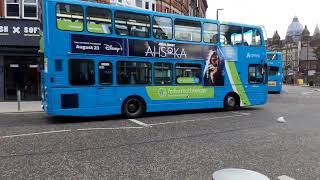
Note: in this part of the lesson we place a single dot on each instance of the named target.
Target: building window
(24, 8)
(162, 27)
(210, 33)
(69, 17)
(188, 73)
(105, 73)
(153, 7)
(146, 5)
(99, 20)
(132, 24)
(166, 10)
(133, 72)
(13, 8)
(186, 30)
(81, 72)
(30, 9)
(163, 73)
(139, 3)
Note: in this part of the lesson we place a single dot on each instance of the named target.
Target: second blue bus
(275, 79)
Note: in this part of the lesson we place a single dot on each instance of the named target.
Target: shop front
(20, 60)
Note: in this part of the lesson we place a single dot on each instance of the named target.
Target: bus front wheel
(231, 102)
(133, 107)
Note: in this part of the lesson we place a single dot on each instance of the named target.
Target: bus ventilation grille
(69, 101)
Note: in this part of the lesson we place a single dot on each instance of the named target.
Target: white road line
(195, 120)
(32, 134)
(284, 177)
(139, 123)
(14, 113)
(306, 93)
(243, 113)
(119, 128)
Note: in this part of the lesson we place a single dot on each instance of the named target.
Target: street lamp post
(220, 9)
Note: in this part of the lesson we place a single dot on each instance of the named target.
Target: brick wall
(182, 6)
(2, 8)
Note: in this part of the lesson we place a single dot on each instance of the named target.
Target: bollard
(19, 99)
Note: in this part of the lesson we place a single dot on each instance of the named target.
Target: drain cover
(238, 174)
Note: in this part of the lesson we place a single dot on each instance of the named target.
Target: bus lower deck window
(162, 73)
(81, 72)
(129, 72)
(188, 73)
(105, 73)
(256, 74)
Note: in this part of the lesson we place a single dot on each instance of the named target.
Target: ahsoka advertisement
(213, 73)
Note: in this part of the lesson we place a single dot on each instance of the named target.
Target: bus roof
(138, 10)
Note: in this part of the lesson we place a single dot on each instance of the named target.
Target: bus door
(105, 91)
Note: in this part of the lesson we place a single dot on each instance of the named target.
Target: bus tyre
(230, 102)
(133, 107)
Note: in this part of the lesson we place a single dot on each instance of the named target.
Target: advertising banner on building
(19, 32)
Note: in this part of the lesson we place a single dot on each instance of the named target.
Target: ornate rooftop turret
(295, 30)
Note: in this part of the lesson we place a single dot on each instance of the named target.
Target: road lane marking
(306, 93)
(32, 134)
(15, 113)
(196, 120)
(284, 177)
(139, 123)
(243, 113)
(123, 128)
(118, 128)
(63, 131)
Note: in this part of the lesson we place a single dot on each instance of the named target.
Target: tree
(316, 52)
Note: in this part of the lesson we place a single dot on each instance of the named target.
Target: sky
(272, 14)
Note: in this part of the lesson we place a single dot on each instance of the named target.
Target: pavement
(168, 145)
(25, 106)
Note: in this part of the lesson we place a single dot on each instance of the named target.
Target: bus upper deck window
(210, 33)
(230, 35)
(69, 17)
(99, 20)
(187, 30)
(251, 37)
(162, 27)
(132, 24)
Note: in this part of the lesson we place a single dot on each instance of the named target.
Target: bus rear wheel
(231, 102)
(133, 107)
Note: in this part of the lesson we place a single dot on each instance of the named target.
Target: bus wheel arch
(133, 106)
(231, 101)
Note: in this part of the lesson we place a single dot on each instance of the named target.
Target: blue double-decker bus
(274, 60)
(104, 60)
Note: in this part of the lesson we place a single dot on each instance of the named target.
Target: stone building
(298, 47)
(20, 60)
